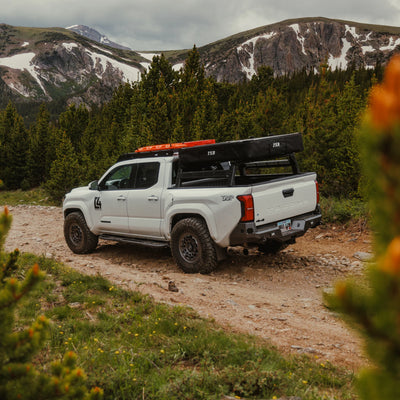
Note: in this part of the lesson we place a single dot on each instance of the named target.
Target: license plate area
(285, 225)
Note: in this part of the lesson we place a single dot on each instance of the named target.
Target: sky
(179, 24)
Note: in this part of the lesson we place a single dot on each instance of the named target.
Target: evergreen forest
(166, 106)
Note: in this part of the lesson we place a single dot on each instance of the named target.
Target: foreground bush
(374, 308)
(18, 378)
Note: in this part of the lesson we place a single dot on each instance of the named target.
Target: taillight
(247, 204)
(317, 189)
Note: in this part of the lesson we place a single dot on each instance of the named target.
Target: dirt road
(278, 298)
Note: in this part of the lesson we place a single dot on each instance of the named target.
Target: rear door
(144, 201)
(282, 199)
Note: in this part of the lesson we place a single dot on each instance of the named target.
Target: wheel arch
(71, 210)
(178, 217)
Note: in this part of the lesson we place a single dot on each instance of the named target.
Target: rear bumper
(248, 232)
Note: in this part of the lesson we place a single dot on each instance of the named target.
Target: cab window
(119, 178)
(147, 175)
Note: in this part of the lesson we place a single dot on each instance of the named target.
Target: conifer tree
(19, 379)
(41, 148)
(15, 150)
(73, 122)
(64, 171)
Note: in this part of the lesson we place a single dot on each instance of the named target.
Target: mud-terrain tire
(272, 246)
(192, 247)
(78, 236)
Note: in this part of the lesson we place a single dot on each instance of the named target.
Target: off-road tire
(272, 246)
(192, 247)
(78, 236)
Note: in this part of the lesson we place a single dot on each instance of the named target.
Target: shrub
(19, 379)
(375, 308)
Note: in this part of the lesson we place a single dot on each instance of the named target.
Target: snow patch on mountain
(101, 62)
(70, 46)
(148, 56)
(247, 49)
(178, 67)
(301, 39)
(22, 62)
(392, 44)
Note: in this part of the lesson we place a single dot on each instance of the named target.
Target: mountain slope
(92, 34)
(60, 65)
(294, 45)
(52, 64)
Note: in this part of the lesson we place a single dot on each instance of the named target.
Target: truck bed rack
(246, 150)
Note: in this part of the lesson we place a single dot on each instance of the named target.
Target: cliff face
(44, 65)
(293, 46)
(60, 65)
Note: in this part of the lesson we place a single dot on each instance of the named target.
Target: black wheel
(272, 246)
(77, 234)
(192, 247)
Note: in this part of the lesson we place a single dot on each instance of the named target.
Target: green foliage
(13, 148)
(19, 379)
(374, 306)
(64, 171)
(343, 210)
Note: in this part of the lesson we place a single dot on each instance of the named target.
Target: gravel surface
(278, 298)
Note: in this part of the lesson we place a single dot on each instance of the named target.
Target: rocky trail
(278, 298)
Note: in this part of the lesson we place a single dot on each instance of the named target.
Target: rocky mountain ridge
(56, 64)
(92, 34)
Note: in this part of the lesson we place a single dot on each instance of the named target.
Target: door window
(147, 175)
(119, 178)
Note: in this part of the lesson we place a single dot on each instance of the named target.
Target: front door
(113, 200)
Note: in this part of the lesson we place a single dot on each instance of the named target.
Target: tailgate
(285, 198)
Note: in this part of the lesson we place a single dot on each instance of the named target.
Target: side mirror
(94, 185)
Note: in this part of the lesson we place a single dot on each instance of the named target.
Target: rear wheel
(78, 236)
(192, 247)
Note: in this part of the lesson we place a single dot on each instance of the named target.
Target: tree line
(173, 106)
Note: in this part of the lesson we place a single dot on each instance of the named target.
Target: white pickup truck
(199, 199)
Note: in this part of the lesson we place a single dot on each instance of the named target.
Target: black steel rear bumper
(248, 232)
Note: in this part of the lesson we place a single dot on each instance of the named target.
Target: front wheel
(192, 247)
(78, 236)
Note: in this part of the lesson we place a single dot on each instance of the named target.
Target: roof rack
(206, 151)
(163, 150)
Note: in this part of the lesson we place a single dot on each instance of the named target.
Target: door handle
(288, 192)
(121, 198)
(152, 198)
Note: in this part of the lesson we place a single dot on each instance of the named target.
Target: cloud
(162, 24)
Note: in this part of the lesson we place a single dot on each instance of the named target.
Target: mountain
(92, 34)
(55, 64)
(79, 65)
(294, 45)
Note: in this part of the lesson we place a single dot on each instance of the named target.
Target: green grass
(36, 196)
(343, 210)
(135, 348)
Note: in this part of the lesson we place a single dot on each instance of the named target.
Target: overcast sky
(179, 24)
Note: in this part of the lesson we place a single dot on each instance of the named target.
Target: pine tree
(19, 379)
(73, 122)
(13, 148)
(41, 148)
(64, 171)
